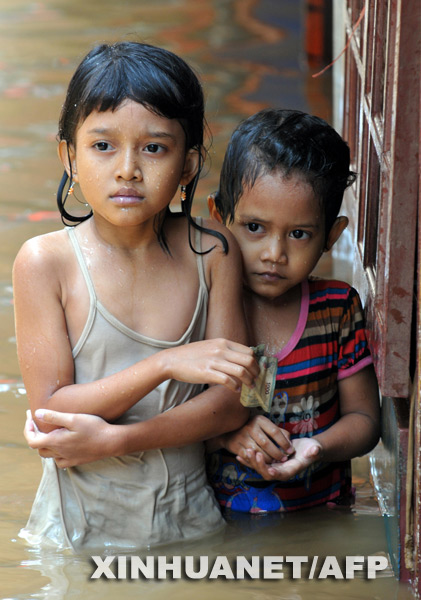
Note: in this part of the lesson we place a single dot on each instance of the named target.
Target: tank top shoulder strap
(199, 257)
(81, 262)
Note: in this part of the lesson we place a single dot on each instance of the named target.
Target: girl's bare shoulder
(220, 265)
(210, 241)
(217, 263)
(43, 253)
(180, 226)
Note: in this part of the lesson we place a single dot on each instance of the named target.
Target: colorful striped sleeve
(354, 353)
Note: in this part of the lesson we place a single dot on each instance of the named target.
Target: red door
(382, 126)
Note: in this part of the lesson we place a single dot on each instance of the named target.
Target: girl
(106, 310)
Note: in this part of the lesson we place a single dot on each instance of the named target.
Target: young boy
(283, 178)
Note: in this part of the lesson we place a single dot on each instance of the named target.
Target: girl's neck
(127, 239)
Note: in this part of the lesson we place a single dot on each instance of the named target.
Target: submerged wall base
(389, 467)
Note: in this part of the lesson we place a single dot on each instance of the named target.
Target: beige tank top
(138, 500)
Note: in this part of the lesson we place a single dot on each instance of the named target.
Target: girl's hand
(259, 435)
(307, 451)
(216, 361)
(79, 439)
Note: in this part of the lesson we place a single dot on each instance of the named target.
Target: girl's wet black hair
(292, 142)
(154, 77)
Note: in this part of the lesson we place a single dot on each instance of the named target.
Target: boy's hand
(307, 451)
(259, 435)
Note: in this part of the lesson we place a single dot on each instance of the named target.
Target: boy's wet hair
(154, 77)
(292, 143)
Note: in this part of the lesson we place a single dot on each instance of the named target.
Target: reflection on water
(249, 56)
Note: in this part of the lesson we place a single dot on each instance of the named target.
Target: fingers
(49, 444)
(276, 471)
(307, 451)
(273, 430)
(244, 359)
(287, 470)
(247, 455)
(282, 472)
(272, 471)
(63, 463)
(238, 347)
(312, 452)
(257, 462)
(226, 375)
(46, 453)
(274, 440)
(266, 437)
(221, 377)
(244, 364)
(216, 361)
(236, 365)
(33, 436)
(29, 429)
(52, 417)
(261, 436)
(227, 371)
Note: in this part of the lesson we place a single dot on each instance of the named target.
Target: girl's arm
(45, 355)
(82, 438)
(354, 434)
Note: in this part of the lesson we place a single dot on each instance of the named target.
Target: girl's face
(129, 163)
(279, 225)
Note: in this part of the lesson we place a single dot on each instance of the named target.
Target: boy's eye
(102, 146)
(253, 227)
(299, 234)
(153, 148)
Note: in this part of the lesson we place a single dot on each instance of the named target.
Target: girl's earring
(71, 192)
(183, 193)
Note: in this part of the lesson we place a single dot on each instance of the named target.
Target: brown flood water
(245, 52)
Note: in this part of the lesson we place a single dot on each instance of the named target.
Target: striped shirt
(328, 344)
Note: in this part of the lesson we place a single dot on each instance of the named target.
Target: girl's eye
(102, 146)
(253, 227)
(299, 234)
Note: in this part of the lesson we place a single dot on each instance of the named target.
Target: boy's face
(279, 226)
